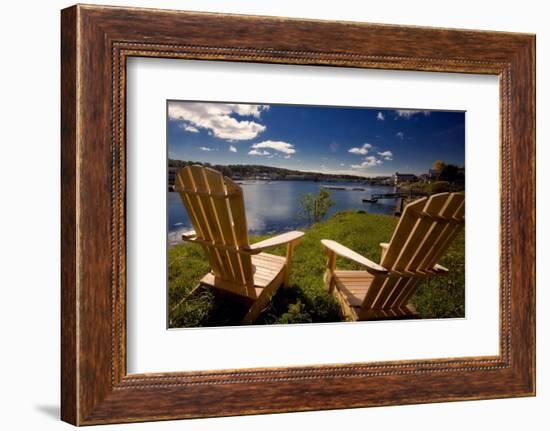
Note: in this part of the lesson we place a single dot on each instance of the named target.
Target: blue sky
(358, 141)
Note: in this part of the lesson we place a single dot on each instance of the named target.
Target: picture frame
(96, 41)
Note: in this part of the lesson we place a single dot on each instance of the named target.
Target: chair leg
(329, 272)
(288, 264)
(260, 304)
(185, 298)
(347, 311)
(254, 311)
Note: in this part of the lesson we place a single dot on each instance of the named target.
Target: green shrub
(314, 207)
(438, 187)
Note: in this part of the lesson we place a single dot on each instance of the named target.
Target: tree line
(246, 171)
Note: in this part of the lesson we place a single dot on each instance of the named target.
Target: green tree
(314, 207)
(449, 173)
(438, 165)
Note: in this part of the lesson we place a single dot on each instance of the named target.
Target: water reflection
(274, 206)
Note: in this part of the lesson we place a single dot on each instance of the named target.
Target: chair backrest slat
(421, 235)
(194, 206)
(408, 242)
(440, 230)
(448, 234)
(373, 291)
(424, 232)
(210, 218)
(225, 223)
(392, 291)
(216, 209)
(236, 206)
(405, 294)
(406, 224)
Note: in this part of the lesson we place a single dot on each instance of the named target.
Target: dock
(375, 197)
(349, 188)
(400, 198)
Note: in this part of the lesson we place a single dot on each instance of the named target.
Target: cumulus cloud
(400, 135)
(205, 148)
(280, 146)
(387, 155)
(219, 118)
(189, 128)
(363, 150)
(370, 161)
(380, 116)
(409, 113)
(259, 153)
(232, 148)
(248, 110)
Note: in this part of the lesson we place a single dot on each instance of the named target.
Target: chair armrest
(440, 269)
(347, 253)
(285, 238)
(383, 249)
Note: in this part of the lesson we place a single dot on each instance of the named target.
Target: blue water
(274, 206)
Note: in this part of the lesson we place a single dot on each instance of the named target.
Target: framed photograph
(267, 215)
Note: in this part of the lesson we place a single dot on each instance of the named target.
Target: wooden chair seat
(267, 268)
(353, 285)
(352, 288)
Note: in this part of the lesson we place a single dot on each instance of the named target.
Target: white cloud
(280, 146)
(232, 148)
(287, 156)
(189, 128)
(400, 135)
(205, 149)
(342, 164)
(370, 161)
(246, 110)
(387, 155)
(363, 150)
(380, 116)
(218, 118)
(408, 113)
(259, 153)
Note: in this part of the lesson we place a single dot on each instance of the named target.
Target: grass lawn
(306, 299)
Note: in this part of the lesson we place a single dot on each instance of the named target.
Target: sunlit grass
(306, 299)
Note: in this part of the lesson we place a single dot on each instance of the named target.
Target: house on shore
(399, 178)
(381, 181)
(434, 174)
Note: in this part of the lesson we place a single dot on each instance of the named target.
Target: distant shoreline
(251, 181)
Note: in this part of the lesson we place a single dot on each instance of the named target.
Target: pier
(375, 197)
(401, 198)
(349, 188)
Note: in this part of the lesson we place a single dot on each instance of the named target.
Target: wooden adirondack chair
(382, 291)
(215, 206)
